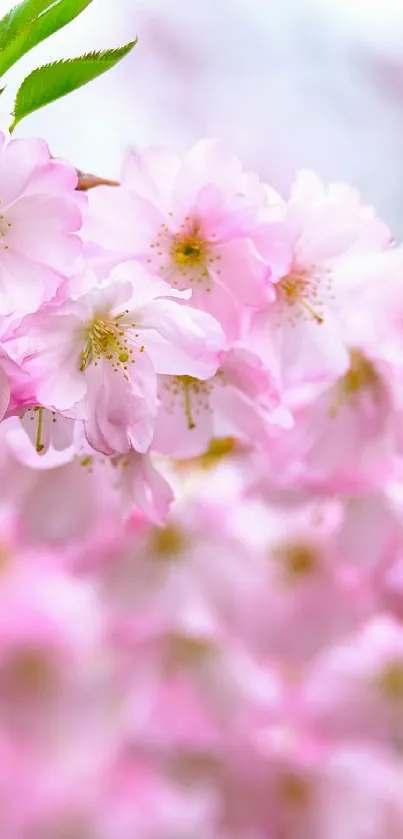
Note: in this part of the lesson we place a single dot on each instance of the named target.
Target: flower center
(187, 651)
(185, 253)
(360, 376)
(298, 560)
(301, 292)
(189, 251)
(390, 681)
(294, 790)
(218, 448)
(195, 394)
(167, 542)
(105, 337)
(28, 670)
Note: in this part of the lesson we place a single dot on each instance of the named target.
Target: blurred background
(315, 83)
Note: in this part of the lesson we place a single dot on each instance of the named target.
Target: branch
(86, 181)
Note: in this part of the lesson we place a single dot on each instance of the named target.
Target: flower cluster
(201, 402)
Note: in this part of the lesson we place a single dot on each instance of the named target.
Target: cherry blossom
(310, 248)
(192, 222)
(39, 219)
(240, 399)
(201, 539)
(99, 354)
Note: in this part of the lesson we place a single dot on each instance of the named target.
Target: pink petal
(151, 174)
(18, 160)
(184, 425)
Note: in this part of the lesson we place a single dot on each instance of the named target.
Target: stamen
(106, 338)
(300, 289)
(189, 250)
(4, 227)
(86, 461)
(185, 253)
(361, 377)
(188, 406)
(361, 374)
(196, 395)
(311, 311)
(38, 443)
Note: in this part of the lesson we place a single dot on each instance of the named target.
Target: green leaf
(18, 18)
(50, 82)
(38, 29)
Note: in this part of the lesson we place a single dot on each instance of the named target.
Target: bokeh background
(315, 83)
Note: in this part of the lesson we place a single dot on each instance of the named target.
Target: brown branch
(86, 181)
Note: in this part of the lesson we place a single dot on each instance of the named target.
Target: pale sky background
(287, 84)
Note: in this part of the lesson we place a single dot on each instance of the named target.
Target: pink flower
(309, 249)
(48, 429)
(355, 690)
(100, 354)
(144, 487)
(39, 217)
(52, 498)
(191, 221)
(50, 633)
(345, 437)
(212, 647)
(362, 794)
(138, 799)
(16, 388)
(307, 598)
(241, 399)
(280, 782)
(167, 568)
(137, 483)
(67, 495)
(379, 303)
(371, 532)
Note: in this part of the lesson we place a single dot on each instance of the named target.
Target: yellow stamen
(193, 393)
(86, 461)
(189, 251)
(311, 311)
(187, 382)
(105, 337)
(295, 288)
(390, 681)
(361, 377)
(38, 443)
(361, 374)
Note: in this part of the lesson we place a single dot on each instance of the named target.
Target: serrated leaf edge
(94, 55)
